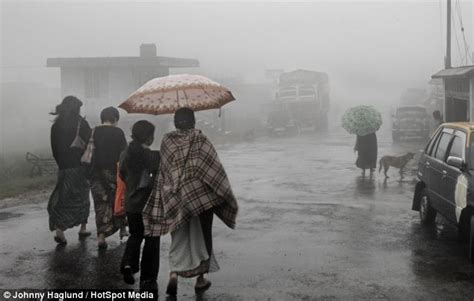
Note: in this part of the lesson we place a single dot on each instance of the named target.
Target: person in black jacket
(69, 203)
(366, 148)
(138, 167)
(109, 142)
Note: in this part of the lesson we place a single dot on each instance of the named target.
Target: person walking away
(437, 120)
(191, 187)
(109, 142)
(138, 167)
(366, 148)
(69, 203)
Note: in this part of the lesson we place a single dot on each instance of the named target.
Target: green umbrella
(362, 120)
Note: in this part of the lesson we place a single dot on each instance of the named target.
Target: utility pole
(447, 59)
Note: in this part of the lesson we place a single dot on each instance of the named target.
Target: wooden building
(459, 93)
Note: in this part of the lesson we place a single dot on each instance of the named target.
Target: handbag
(78, 142)
(89, 152)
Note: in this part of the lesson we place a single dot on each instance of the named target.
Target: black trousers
(150, 262)
(206, 219)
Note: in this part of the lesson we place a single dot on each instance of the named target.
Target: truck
(302, 97)
(411, 122)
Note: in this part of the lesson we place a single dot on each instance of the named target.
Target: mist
(371, 51)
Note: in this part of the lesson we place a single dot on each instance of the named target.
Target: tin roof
(154, 61)
(463, 71)
(460, 125)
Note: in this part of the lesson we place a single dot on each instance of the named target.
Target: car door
(424, 165)
(454, 184)
(438, 171)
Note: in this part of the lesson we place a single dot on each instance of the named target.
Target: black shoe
(128, 275)
(172, 288)
(151, 287)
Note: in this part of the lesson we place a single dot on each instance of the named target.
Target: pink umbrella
(165, 95)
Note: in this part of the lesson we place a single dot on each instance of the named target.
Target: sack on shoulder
(89, 152)
(78, 142)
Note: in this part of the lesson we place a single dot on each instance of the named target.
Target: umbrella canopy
(165, 95)
(362, 120)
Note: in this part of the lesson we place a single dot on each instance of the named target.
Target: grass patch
(15, 177)
(21, 185)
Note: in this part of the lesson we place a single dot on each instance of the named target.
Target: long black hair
(68, 110)
(184, 119)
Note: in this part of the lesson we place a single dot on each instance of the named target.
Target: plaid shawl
(181, 192)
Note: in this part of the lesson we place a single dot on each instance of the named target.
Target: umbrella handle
(220, 111)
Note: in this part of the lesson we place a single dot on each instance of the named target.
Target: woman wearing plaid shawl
(190, 188)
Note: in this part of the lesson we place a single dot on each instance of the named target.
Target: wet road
(310, 227)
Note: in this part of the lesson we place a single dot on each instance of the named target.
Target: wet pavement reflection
(310, 227)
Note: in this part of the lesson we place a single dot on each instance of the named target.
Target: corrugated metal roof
(464, 71)
(157, 61)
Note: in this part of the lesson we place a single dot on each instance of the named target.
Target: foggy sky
(372, 50)
(382, 42)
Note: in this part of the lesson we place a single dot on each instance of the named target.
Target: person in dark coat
(138, 167)
(109, 141)
(366, 148)
(69, 203)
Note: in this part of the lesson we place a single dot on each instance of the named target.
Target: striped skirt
(69, 203)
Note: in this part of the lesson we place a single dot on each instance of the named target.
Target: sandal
(83, 235)
(60, 241)
(203, 288)
(102, 245)
(172, 288)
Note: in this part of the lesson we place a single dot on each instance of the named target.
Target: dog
(397, 162)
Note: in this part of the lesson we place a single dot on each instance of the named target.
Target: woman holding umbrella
(366, 148)
(364, 121)
(192, 184)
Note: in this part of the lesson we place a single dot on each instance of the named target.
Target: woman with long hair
(69, 203)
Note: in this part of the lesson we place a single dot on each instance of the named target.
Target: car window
(442, 146)
(457, 147)
(434, 140)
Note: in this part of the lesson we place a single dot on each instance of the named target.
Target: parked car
(445, 182)
(410, 122)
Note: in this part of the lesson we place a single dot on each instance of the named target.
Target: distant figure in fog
(366, 148)
(138, 167)
(69, 203)
(437, 118)
(109, 141)
(190, 188)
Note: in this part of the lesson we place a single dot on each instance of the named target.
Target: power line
(457, 41)
(466, 45)
(441, 24)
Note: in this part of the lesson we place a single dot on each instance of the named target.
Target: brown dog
(397, 162)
